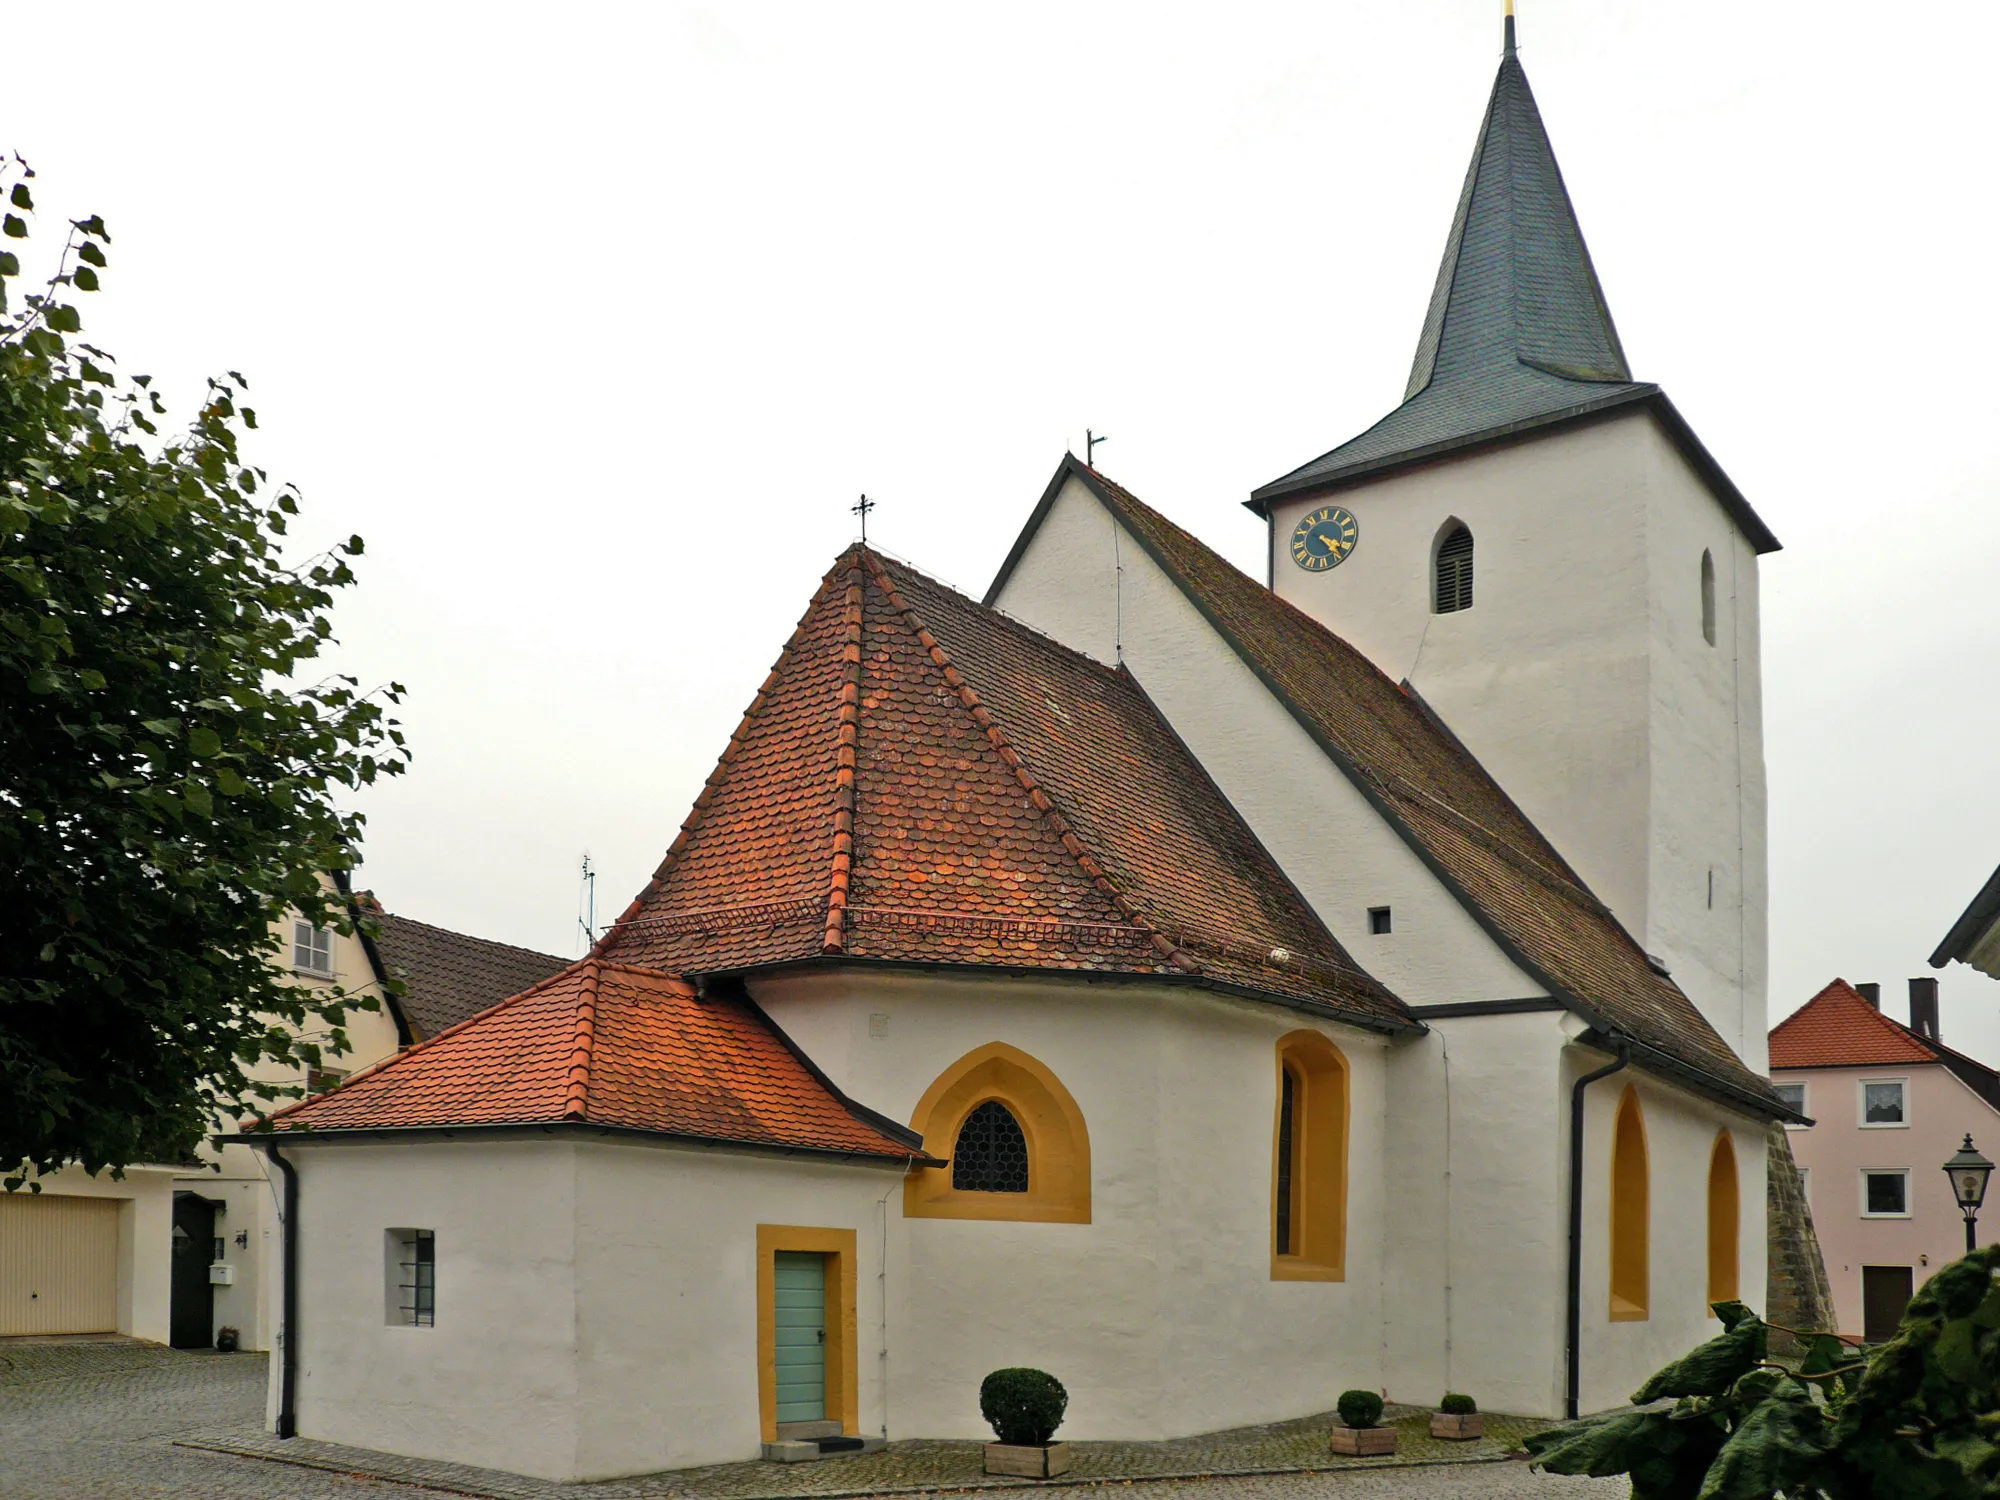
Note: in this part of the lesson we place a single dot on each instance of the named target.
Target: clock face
(1323, 538)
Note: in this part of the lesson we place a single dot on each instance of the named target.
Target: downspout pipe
(1573, 1325)
(288, 1338)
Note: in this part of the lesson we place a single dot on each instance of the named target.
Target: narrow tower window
(1454, 571)
(1708, 597)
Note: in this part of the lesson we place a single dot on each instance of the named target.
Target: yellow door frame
(842, 1380)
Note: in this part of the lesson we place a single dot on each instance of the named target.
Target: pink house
(1889, 1103)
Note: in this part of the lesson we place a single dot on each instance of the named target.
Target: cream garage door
(58, 1264)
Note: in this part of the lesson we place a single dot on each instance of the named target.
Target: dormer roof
(1518, 335)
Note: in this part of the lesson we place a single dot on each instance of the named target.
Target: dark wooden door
(1885, 1292)
(193, 1308)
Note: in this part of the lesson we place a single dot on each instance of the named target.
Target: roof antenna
(1091, 439)
(587, 918)
(861, 508)
(1507, 32)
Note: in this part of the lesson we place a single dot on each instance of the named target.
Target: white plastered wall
(1580, 678)
(1322, 831)
(1680, 1138)
(596, 1301)
(1477, 1225)
(1160, 1315)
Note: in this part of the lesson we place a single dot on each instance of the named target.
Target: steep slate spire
(1518, 333)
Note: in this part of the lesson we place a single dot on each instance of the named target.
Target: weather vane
(861, 508)
(1090, 442)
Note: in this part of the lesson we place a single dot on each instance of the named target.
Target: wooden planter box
(1028, 1460)
(1364, 1442)
(1458, 1428)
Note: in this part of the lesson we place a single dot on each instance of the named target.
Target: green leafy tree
(1916, 1419)
(168, 788)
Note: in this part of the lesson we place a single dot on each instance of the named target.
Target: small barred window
(1454, 572)
(991, 1155)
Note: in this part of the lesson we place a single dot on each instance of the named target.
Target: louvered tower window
(1454, 571)
(991, 1155)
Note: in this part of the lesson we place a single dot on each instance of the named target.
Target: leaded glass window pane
(991, 1155)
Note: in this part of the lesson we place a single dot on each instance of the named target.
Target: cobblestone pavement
(108, 1422)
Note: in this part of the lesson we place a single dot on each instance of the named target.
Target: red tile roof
(921, 779)
(1839, 1029)
(1442, 800)
(609, 1045)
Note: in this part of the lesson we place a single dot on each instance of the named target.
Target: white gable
(1087, 582)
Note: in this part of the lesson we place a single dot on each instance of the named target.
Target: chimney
(1870, 992)
(1924, 1008)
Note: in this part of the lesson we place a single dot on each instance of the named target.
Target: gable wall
(1328, 839)
(1160, 1314)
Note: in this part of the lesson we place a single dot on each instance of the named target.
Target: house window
(991, 1155)
(1631, 1214)
(1309, 1165)
(1882, 1102)
(1793, 1097)
(1724, 1212)
(1708, 597)
(412, 1278)
(1454, 570)
(1378, 920)
(1885, 1195)
(312, 949)
(1014, 1141)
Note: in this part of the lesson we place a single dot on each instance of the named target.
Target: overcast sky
(594, 320)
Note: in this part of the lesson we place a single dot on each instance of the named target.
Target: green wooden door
(800, 1329)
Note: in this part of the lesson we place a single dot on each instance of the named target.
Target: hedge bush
(1457, 1404)
(1025, 1406)
(1360, 1408)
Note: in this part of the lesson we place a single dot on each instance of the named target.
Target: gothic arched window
(1309, 1176)
(1724, 1214)
(992, 1154)
(1708, 597)
(1631, 1214)
(1454, 570)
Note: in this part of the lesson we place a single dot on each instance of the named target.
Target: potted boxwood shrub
(1457, 1418)
(1358, 1435)
(1025, 1407)
(226, 1338)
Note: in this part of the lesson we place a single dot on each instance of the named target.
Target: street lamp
(1968, 1171)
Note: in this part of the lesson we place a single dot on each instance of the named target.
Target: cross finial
(1507, 32)
(1090, 442)
(861, 508)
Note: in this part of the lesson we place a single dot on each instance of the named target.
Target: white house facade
(1219, 992)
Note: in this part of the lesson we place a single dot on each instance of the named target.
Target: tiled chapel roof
(606, 1045)
(1518, 335)
(1837, 1028)
(1428, 786)
(922, 780)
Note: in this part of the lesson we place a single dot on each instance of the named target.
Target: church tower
(1538, 545)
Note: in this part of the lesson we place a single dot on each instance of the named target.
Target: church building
(1219, 992)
